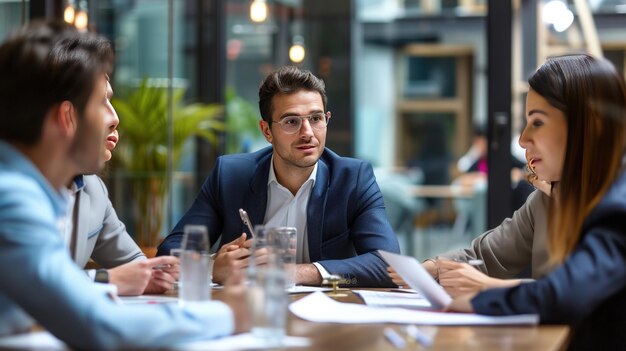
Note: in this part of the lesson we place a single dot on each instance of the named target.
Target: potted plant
(242, 123)
(143, 148)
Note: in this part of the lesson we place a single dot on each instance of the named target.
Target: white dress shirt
(286, 210)
(66, 223)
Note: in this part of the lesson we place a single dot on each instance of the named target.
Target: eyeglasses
(292, 124)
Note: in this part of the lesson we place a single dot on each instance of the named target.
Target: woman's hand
(460, 279)
(429, 265)
(461, 303)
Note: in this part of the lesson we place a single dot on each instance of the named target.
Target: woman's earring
(530, 168)
(532, 178)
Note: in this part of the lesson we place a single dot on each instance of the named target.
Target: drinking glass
(176, 253)
(194, 266)
(267, 297)
(284, 241)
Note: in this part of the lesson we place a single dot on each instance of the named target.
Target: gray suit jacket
(100, 234)
(514, 245)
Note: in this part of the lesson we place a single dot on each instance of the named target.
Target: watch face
(102, 276)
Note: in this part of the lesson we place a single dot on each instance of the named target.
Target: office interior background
(413, 87)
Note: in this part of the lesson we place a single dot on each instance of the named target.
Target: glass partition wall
(13, 13)
(152, 176)
(421, 73)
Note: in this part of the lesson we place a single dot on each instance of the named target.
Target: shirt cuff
(323, 272)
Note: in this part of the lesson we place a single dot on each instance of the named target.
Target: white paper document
(393, 299)
(42, 340)
(320, 308)
(406, 290)
(418, 278)
(300, 289)
(244, 342)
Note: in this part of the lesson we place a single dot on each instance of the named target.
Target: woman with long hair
(575, 139)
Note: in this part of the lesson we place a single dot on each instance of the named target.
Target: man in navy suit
(334, 202)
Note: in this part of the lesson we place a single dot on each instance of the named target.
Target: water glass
(284, 240)
(194, 266)
(211, 261)
(259, 246)
(176, 253)
(266, 290)
(268, 299)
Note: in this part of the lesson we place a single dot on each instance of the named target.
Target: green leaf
(143, 126)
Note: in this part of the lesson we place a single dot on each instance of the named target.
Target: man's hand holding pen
(230, 257)
(236, 254)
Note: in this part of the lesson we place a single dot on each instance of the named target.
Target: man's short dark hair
(44, 64)
(287, 80)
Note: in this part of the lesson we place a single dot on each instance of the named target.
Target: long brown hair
(592, 96)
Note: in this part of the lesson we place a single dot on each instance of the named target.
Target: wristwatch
(102, 276)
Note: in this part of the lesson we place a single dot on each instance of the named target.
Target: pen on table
(246, 220)
(394, 338)
(419, 336)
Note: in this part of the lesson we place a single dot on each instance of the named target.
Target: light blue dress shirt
(40, 280)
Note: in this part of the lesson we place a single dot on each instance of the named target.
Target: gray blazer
(100, 234)
(514, 245)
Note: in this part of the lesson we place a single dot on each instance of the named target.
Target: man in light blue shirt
(52, 108)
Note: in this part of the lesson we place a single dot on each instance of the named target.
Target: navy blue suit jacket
(588, 291)
(346, 219)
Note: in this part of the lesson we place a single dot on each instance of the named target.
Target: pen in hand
(475, 262)
(246, 220)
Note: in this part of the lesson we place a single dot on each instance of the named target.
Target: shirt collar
(11, 159)
(272, 177)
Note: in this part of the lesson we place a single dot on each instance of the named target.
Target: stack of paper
(416, 276)
(393, 299)
(302, 289)
(320, 308)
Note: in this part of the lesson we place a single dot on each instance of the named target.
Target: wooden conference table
(329, 336)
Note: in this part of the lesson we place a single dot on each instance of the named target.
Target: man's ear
(265, 129)
(66, 119)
